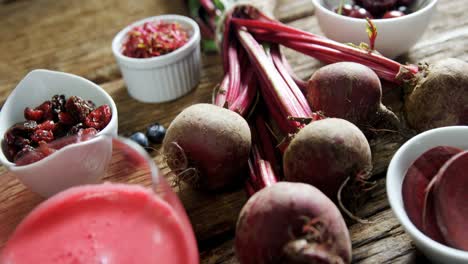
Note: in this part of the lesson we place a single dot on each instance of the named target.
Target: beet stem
(246, 98)
(265, 140)
(234, 72)
(299, 82)
(226, 40)
(330, 55)
(277, 60)
(219, 96)
(286, 33)
(269, 74)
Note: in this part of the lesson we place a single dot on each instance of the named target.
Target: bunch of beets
(268, 125)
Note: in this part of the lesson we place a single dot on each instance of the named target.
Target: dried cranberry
(33, 114)
(393, 14)
(21, 142)
(45, 148)
(345, 9)
(30, 155)
(58, 103)
(99, 118)
(10, 137)
(87, 133)
(60, 130)
(62, 142)
(91, 104)
(24, 129)
(42, 135)
(378, 7)
(46, 107)
(75, 129)
(9, 150)
(28, 126)
(66, 118)
(47, 125)
(78, 108)
(26, 156)
(359, 12)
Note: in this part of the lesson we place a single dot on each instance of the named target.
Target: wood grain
(75, 37)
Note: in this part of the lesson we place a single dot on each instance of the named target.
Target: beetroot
(350, 91)
(208, 146)
(291, 223)
(416, 180)
(440, 96)
(326, 152)
(451, 200)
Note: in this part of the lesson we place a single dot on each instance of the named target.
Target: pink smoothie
(102, 224)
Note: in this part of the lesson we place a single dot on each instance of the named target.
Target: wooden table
(75, 37)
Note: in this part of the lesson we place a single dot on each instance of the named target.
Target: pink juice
(103, 224)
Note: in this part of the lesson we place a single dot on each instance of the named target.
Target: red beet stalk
(325, 49)
(247, 93)
(299, 82)
(262, 172)
(273, 86)
(238, 90)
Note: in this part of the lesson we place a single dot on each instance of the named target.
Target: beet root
(325, 153)
(208, 146)
(350, 91)
(451, 201)
(416, 180)
(440, 96)
(291, 223)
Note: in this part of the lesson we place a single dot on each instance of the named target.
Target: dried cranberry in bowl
(37, 137)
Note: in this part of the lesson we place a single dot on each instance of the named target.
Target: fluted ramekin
(166, 77)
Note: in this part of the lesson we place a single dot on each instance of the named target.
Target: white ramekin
(166, 77)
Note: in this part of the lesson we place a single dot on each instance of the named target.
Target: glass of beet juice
(109, 222)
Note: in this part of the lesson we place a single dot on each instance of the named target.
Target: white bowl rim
(12, 166)
(426, 8)
(162, 59)
(394, 194)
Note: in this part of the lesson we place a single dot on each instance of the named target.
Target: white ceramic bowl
(166, 77)
(72, 165)
(456, 136)
(395, 36)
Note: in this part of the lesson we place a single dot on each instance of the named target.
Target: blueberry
(156, 133)
(140, 138)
